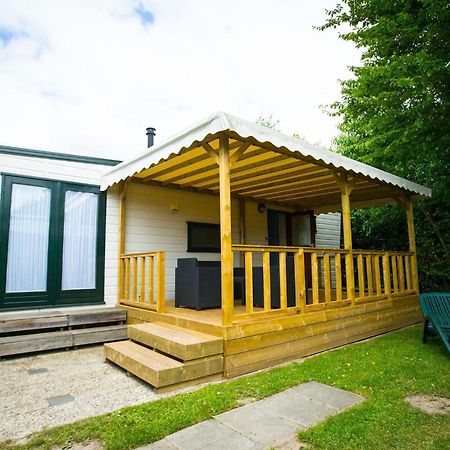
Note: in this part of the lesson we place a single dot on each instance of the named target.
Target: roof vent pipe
(150, 136)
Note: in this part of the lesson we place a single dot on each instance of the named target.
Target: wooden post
(412, 245)
(346, 189)
(406, 204)
(226, 253)
(121, 245)
(242, 237)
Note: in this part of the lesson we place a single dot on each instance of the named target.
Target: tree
(394, 115)
(268, 122)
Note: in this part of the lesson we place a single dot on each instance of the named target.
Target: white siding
(52, 169)
(328, 230)
(152, 226)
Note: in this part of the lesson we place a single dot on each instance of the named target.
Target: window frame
(54, 296)
(191, 248)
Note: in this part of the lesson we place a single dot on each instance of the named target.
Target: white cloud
(89, 77)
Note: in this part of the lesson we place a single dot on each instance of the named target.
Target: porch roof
(265, 165)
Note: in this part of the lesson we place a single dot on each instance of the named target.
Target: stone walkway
(272, 422)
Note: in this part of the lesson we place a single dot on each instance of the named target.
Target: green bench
(436, 313)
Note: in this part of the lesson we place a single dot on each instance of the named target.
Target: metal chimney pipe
(150, 136)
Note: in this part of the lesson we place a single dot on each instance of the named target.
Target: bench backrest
(437, 306)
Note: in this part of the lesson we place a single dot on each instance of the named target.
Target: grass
(384, 370)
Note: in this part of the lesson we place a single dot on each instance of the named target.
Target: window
(52, 243)
(203, 237)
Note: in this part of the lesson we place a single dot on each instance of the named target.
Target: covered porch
(311, 298)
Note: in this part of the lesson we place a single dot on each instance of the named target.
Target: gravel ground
(54, 388)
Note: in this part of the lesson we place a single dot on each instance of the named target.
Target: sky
(87, 77)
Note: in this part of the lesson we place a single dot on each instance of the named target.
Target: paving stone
(259, 424)
(207, 436)
(332, 396)
(60, 399)
(271, 422)
(304, 411)
(37, 371)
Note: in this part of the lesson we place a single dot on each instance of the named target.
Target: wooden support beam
(346, 188)
(238, 153)
(226, 253)
(406, 203)
(242, 237)
(211, 152)
(121, 244)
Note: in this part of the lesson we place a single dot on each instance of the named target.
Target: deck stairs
(167, 356)
(31, 332)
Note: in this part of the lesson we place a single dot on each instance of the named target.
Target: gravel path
(54, 388)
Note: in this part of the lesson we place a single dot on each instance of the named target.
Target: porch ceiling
(265, 166)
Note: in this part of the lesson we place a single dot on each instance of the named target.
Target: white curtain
(80, 240)
(28, 239)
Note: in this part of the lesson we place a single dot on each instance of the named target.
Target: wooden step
(179, 342)
(45, 320)
(35, 342)
(157, 369)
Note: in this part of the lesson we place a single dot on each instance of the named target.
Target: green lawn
(384, 370)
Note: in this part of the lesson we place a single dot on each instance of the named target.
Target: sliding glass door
(52, 243)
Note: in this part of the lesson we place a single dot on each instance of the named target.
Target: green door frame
(54, 295)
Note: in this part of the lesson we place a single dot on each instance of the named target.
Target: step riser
(129, 357)
(30, 343)
(19, 323)
(185, 352)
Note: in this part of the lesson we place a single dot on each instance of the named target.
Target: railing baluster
(134, 269)
(360, 276)
(369, 275)
(315, 278)
(386, 275)
(394, 273)
(300, 282)
(142, 281)
(248, 282)
(408, 272)
(266, 281)
(376, 261)
(327, 276)
(151, 280)
(401, 273)
(161, 276)
(127, 278)
(283, 280)
(338, 272)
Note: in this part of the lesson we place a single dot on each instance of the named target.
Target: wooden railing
(383, 274)
(142, 280)
(278, 280)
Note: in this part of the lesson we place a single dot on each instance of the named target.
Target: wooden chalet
(341, 294)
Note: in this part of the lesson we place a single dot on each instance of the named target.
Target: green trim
(54, 296)
(19, 151)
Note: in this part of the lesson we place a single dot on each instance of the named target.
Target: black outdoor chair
(198, 284)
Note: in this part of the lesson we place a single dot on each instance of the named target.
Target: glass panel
(28, 239)
(301, 230)
(80, 240)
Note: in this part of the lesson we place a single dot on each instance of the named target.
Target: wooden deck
(253, 345)
(47, 330)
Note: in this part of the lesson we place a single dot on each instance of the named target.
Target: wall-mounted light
(174, 207)
(261, 208)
